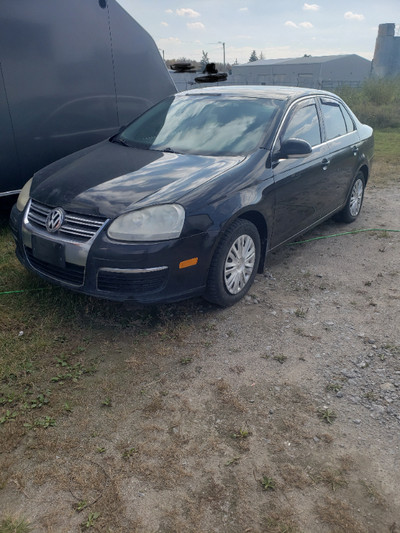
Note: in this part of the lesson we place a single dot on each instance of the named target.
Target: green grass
(14, 525)
(51, 340)
(376, 102)
(387, 142)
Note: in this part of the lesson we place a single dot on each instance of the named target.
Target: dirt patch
(279, 414)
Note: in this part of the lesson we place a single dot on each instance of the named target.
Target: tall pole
(223, 49)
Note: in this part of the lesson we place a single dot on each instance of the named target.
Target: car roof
(257, 91)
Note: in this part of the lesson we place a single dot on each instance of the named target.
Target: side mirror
(292, 148)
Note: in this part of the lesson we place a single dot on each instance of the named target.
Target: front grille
(131, 282)
(76, 227)
(73, 274)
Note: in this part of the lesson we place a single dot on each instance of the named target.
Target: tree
(253, 56)
(204, 59)
(261, 55)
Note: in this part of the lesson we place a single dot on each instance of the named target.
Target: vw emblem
(55, 219)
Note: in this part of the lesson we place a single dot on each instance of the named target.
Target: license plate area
(48, 251)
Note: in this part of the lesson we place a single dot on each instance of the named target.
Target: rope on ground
(382, 230)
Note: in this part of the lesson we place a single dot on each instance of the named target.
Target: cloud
(187, 12)
(349, 15)
(244, 9)
(169, 11)
(311, 7)
(305, 25)
(195, 26)
(164, 23)
(169, 40)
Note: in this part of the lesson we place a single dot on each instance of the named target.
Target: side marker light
(188, 262)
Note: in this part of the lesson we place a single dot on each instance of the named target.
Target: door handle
(325, 163)
(355, 150)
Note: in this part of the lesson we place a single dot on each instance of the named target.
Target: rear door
(300, 185)
(342, 141)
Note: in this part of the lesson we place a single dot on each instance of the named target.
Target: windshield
(203, 124)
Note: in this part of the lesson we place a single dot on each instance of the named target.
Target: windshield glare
(204, 125)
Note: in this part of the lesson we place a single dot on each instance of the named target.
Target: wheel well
(365, 172)
(259, 221)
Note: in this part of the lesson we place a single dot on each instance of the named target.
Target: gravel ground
(280, 414)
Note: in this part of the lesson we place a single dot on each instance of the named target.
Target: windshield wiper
(118, 140)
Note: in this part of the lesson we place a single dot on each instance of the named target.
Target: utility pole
(223, 49)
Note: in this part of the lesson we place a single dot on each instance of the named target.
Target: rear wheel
(234, 265)
(354, 203)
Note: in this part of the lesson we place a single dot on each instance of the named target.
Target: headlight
(24, 195)
(158, 223)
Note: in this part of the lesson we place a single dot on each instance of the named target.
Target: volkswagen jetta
(188, 198)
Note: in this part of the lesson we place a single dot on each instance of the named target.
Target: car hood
(108, 179)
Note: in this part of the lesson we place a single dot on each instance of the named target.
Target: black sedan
(188, 199)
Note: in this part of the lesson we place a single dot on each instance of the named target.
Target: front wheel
(354, 203)
(234, 265)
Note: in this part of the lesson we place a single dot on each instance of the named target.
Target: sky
(277, 29)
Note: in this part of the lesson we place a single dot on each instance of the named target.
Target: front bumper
(142, 272)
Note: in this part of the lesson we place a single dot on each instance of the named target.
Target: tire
(354, 203)
(234, 264)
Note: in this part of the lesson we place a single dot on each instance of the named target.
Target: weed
(80, 506)
(370, 396)
(101, 450)
(241, 434)
(232, 461)
(373, 493)
(45, 423)
(268, 483)
(333, 478)
(327, 415)
(392, 349)
(129, 452)
(280, 358)
(8, 417)
(334, 387)
(67, 408)
(107, 402)
(74, 372)
(7, 398)
(300, 312)
(185, 360)
(40, 400)
(209, 327)
(90, 520)
(14, 525)
(338, 515)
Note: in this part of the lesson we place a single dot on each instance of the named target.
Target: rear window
(334, 121)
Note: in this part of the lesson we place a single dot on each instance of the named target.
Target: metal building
(325, 72)
(386, 61)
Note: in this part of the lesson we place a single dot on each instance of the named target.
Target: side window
(303, 124)
(349, 121)
(335, 125)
